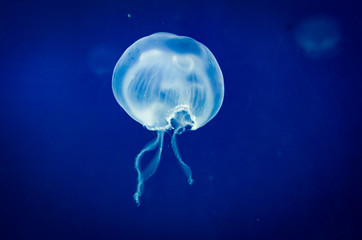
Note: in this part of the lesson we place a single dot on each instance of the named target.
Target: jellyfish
(167, 83)
(318, 36)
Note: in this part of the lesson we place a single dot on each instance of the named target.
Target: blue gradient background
(281, 160)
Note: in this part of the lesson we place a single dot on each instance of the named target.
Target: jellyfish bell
(167, 82)
(318, 36)
(154, 79)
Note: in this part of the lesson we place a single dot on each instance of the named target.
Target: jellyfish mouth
(181, 118)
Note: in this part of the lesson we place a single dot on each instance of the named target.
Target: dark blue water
(281, 160)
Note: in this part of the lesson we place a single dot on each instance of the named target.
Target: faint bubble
(102, 58)
(318, 36)
(211, 178)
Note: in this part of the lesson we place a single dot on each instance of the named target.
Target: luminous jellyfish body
(167, 82)
(318, 36)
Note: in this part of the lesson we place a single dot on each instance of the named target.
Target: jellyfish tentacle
(152, 166)
(184, 166)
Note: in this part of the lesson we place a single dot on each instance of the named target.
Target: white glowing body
(164, 82)
(162, 74)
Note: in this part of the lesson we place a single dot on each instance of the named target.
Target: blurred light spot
(211, 178)
(102, 59)
(318, 36)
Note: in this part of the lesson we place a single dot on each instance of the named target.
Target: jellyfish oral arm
(184, 166)
(151, 168)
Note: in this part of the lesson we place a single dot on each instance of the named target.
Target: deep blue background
(281, 160)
